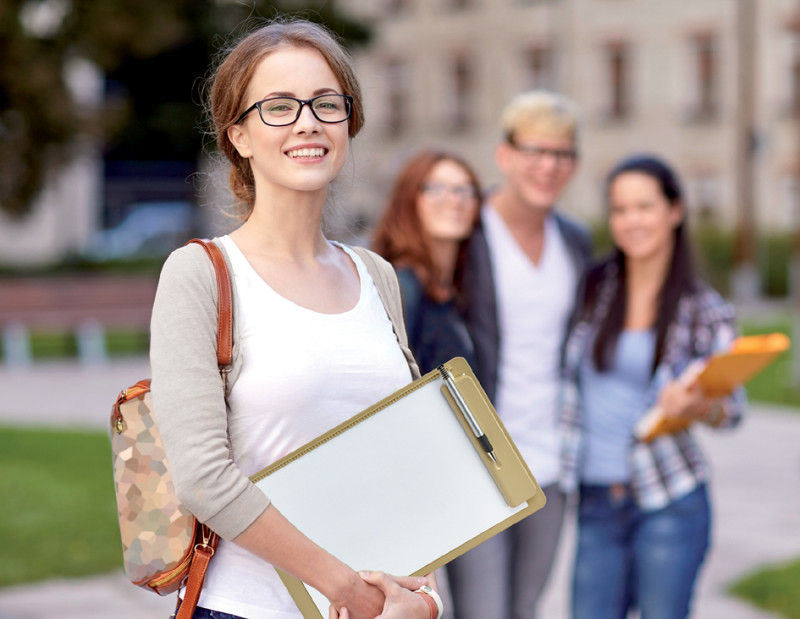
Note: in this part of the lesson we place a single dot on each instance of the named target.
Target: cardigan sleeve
(188, 399)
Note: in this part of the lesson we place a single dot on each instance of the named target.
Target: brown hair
(229, 82)
(399, 236)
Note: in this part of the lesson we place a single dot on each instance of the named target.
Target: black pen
(473, 423)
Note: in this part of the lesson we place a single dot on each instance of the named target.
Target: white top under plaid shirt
(670, 466)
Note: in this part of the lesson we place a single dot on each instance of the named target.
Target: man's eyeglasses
(439, 191)
(537, 154)
(283, 111)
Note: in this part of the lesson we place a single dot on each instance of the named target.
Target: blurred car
(150, 229)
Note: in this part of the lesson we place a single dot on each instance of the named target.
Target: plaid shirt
(670, 466)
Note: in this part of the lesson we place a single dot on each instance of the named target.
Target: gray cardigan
(189, 403)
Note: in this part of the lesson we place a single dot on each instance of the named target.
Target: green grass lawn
(774, 384)
(774, 589)
(62, 345)
(59, 517)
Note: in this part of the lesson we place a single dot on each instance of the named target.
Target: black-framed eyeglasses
(283, 111)
(537, 154)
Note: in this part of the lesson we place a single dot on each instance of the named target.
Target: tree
(153, 53)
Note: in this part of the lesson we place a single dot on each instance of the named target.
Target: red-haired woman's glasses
(283, 111)
(439, 191)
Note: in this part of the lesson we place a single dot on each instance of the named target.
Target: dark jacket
(480, 306)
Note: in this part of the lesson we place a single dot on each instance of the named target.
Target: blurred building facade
(712, 85)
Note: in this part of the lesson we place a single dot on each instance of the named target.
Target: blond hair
(541, 111)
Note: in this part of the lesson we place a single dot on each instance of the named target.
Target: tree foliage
(152, 52)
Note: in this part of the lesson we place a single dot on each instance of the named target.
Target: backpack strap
(204, 550)
(225, 305)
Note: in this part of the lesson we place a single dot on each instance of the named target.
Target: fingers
(412, 583)
(380, 580)
(342, 614)
(387, 582)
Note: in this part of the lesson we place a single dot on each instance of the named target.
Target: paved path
(756, 495)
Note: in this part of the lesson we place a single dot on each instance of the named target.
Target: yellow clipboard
(718, 377)
(405, 486)
(747, 356)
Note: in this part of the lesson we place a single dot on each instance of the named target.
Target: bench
(85, 306)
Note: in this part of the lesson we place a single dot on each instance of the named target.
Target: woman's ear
(677, 214)
(240, 140)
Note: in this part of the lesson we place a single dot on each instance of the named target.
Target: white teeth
(306, 153)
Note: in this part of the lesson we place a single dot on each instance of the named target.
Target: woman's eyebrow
(317, 92)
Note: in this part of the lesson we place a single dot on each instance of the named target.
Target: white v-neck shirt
(303, 373)
(533, 305)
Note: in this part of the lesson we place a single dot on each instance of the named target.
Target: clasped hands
(400, 601)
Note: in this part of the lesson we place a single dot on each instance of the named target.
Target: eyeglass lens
(281, 111)
(539, 153)
(439, 191)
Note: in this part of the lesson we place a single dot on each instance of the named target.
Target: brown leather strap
(197, 574)
(204, 550)
(225, 296)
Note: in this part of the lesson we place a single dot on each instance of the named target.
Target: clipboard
(405, 486)
(718, 376)
(747, 356)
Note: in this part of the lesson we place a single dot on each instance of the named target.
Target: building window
(396, 87)
(619, 86)
(538, 68)
(704, 56)
(463, 88)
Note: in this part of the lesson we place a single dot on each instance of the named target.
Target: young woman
(641, 319)
(284, 103)
(431, 212)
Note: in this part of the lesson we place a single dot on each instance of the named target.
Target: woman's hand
(677, 399)
(400, 600)
(361, 599)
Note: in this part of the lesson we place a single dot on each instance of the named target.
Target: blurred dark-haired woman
(642, 318)
(431, 213)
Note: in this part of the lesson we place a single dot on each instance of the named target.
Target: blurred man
(524, 264)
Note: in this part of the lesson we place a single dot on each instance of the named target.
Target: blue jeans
(627, 558)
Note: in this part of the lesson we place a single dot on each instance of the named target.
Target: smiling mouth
(306, 153)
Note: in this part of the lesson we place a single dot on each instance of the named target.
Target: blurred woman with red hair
(431, 212)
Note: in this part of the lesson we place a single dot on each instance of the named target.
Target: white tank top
(303, 373)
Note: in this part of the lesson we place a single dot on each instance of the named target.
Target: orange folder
(718, 376)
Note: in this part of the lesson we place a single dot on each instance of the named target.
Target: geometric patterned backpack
(163, 546)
